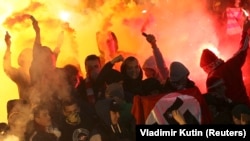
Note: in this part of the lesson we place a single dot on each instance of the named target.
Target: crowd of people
(59, 104)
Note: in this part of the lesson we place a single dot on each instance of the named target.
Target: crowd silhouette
(118, 93)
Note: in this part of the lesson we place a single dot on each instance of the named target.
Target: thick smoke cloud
(182, 28)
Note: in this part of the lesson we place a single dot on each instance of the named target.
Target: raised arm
(35, 68)
(157, 55)
(37, 42)
(245, 36)
(8, 68)
(239, 57)
(100, 81)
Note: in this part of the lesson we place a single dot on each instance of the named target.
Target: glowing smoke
(182, 28)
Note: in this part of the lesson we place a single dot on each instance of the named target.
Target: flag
(155, 108)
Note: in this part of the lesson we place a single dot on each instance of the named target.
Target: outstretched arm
(239, 57)
(37, 42)
(7, 54)
(245, 36)
(35, 68)
(157, 55)
(101, 79)
(8, 68)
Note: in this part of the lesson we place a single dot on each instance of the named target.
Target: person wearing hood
(230, 71)
(115, 91)
(179, 82)
(132, 77)
(178, 79)
(109, 48)
(154, 66)
(150, 69)
(109, 127)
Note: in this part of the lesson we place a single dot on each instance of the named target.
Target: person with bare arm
(18, 75)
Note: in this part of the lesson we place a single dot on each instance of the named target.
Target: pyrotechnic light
(245, 12)
(11, 138)
(144, 11)
(211, 47)
(64, 16)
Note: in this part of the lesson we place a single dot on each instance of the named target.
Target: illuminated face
(114, 117)
(43, 118)
(71, 109)
(150, 73)
(93, 67)
(133, 69)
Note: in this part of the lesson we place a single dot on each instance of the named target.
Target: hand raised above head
(7, 39)
(35, 23)
(32, 18)
(150, 38)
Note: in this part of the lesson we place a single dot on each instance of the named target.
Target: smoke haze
(182, 29)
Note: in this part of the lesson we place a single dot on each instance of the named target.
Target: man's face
(71, 109)
(71, 113)
(93, 67)
(133, 69)
(43, 118)
(114, 115)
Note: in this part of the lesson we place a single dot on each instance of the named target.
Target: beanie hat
(178, 71)
(209, 60)
(115, 90)
(113, 76)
